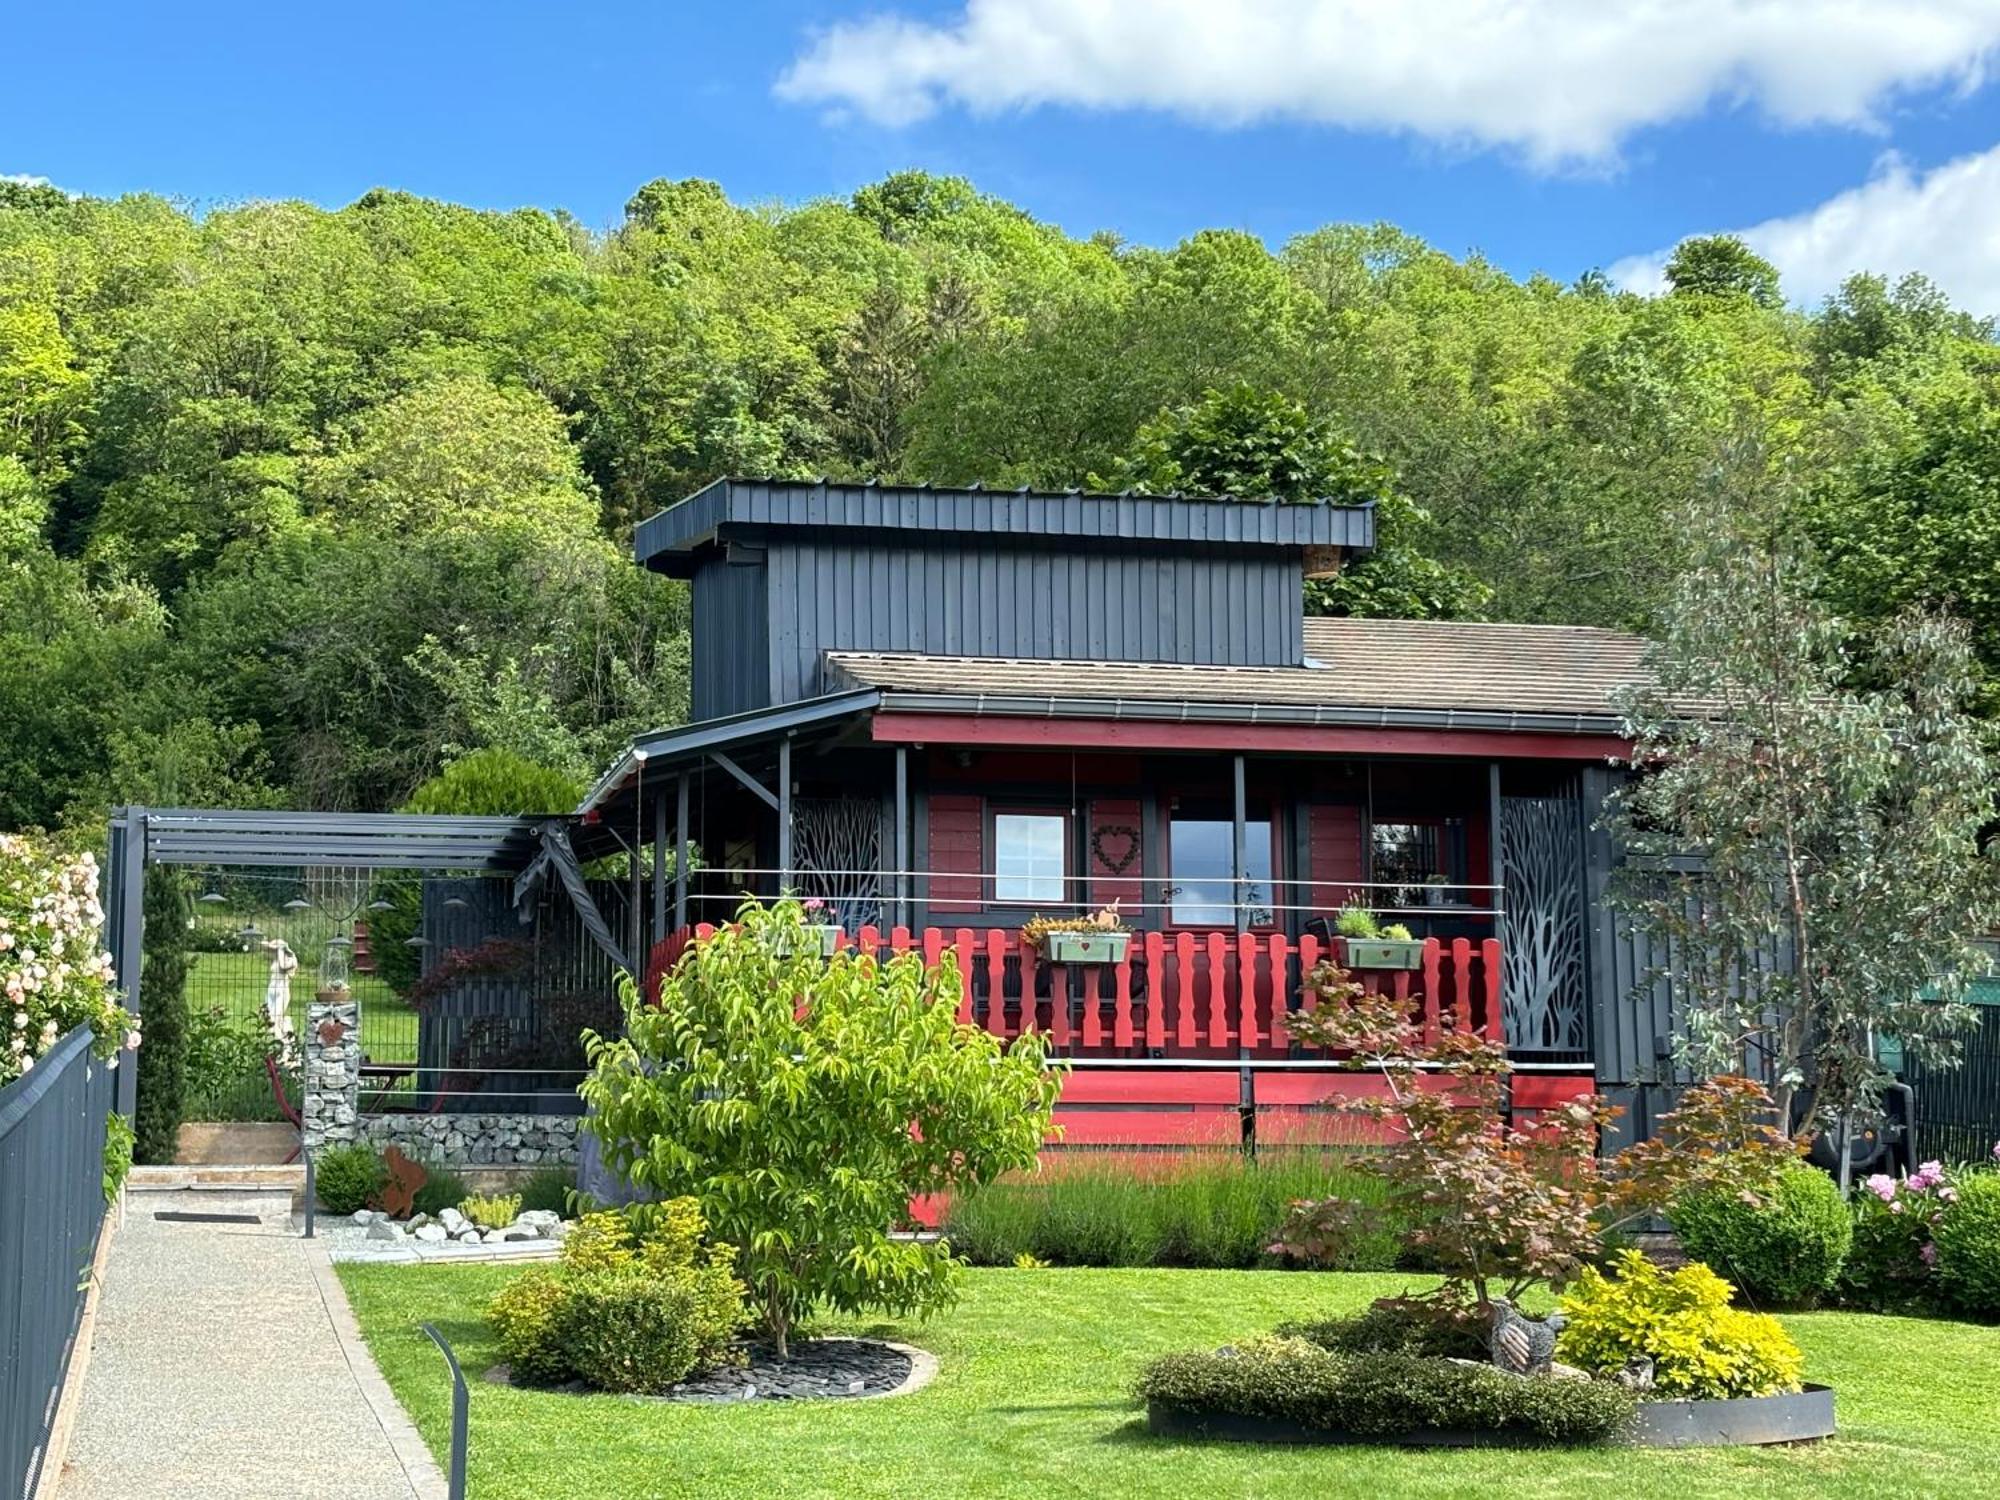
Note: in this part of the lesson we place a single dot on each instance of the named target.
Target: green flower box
(1385, 953)
(1085, 947)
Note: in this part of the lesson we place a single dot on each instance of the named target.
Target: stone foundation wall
(478, 1140)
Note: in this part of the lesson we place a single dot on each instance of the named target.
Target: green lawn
(236, 982)
(1031, 1401)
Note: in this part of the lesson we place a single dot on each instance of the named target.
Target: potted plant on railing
(1099, 938)
(1370, 945)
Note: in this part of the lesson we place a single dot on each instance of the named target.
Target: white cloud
(1562, 81)
(1944, 223)
(24, 179)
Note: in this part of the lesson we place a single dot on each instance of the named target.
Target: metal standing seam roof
(1535, 671)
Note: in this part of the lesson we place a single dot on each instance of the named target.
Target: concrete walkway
(225, 1363)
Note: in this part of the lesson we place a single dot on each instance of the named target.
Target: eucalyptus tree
(1804, 831)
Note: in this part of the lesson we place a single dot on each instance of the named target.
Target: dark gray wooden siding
(1233, 609)
(732, 634)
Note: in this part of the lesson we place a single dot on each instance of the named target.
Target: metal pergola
(142, 837)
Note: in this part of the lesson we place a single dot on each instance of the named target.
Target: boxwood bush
(347, 1177)
(1783, 1251)
(1205, 1209)
(639, 1301)
(1384, 1396)
(1968, 1247)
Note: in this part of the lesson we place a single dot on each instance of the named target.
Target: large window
(1030, 857)
(1202, 869)
(1414, 862)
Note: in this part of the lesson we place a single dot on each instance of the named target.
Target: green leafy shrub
(442, 1188)
(494, 1212)
(348, 1177)
(548, 1191)
(523, 1315)
(1784, 1246)
(1384, 1395)
(118, 1138)
(805, 1101)
(640, 1331)
(163, 1017)
(1700, 1346)
(1211, 1210)
(1419, 1327)
(226, 1077)
(1968, 1247)
(640, 1300)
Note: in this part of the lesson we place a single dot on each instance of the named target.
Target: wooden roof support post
(681, 854)
(784, 814)
(660, 868)
(902, 839)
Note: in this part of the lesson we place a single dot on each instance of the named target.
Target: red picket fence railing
(1178, 994)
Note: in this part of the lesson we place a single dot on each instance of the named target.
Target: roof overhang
(1168, 724)
(381, 841)
(666, 750)
(750, 509)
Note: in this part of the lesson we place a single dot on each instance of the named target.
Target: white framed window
(1031, 857)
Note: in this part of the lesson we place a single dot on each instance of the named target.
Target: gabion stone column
(332, 1083)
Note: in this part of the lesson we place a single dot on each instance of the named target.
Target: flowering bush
(53, 971)
(1892, 1260)
(1493, 1205)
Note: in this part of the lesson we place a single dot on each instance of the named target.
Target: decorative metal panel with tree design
(1542, 976)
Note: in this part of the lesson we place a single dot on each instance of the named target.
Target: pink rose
(1928, 1253)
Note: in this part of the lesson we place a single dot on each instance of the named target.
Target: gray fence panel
(51, 1211)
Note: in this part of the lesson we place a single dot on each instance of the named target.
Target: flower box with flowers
(1100, 938)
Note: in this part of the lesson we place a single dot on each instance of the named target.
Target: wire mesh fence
(463, 1005)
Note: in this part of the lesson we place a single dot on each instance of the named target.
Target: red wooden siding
(1337, 860)
(1113, 852)
(957, 852)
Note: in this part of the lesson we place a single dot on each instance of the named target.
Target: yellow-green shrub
(523, 1316)
(1700, 1345)
(495, 1212)
(600, 1242)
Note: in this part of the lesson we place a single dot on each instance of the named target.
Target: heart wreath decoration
(1119, 863)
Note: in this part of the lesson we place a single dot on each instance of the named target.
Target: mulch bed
(819, 1369)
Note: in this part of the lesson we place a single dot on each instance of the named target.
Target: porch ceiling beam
(768, 797)
(893, 727)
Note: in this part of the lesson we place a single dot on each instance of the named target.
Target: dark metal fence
(51, 1210)
(1958, 1109)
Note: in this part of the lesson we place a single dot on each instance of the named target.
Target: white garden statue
(278, 992)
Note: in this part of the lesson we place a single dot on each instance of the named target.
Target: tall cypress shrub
(162, 1018)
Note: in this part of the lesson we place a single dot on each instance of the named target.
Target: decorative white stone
(468, 1235)
(364, 1216)
(452, 1220)
(384, 1229)
(432, 1234)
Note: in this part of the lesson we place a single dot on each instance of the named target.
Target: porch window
(1030, 857)
(1415, 861)
(1201, 867)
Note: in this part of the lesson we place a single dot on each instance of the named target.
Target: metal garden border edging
(1749, 1421)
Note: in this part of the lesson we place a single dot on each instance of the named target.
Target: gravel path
(226, 1363)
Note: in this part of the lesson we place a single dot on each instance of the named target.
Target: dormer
(784, 571)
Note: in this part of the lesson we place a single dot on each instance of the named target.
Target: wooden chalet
(939, 713)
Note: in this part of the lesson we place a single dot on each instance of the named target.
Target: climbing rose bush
(54, 972)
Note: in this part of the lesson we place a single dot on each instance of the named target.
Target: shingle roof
(1540, 670)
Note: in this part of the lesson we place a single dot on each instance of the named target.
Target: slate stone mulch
(819, 1369)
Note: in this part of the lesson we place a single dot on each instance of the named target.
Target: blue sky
(1551, 135)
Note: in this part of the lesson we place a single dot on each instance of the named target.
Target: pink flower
(1895, 1208)
(1882, 1186)
(1996, 1150)
(1948, 1194)
(1928, 1253)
